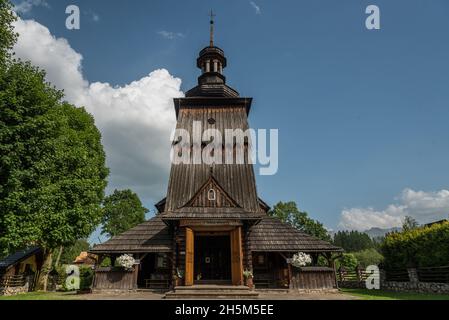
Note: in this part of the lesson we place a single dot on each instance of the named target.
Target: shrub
(347, 261)
(368, 257)
(421, 247)
(106, 262)
(86, 277)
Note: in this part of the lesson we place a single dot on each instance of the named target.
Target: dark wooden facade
(218, 200)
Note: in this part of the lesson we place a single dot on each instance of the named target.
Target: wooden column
(174, 258)
(237, 257)
(248, 253)
(190, 240)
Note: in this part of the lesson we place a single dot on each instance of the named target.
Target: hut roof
(150, 236)
(18, 257)
(271, 234)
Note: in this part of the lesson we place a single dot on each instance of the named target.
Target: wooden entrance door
(212, 259)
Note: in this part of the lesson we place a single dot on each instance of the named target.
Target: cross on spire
(212, 16)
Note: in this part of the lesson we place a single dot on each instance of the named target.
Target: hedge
(421, 247)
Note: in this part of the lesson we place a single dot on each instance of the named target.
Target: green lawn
(359, 293)
(387, 295)
(44, 296)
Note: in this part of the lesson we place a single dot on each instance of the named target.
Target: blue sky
(362, 115)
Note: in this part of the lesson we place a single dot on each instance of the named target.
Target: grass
(44, 296)
(365, 294)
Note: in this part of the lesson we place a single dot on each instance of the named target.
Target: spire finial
(212, 16)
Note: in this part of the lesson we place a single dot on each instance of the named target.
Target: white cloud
(170, 35)
(424, 206)
(135, 119)
(27, 5)
(256, 7)
(55, 56)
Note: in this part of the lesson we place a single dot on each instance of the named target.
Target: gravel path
(262, 296)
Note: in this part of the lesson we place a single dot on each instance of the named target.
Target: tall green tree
(288, 212)
(123, 210)
(52, 163)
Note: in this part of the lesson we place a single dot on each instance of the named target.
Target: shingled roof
(18, 257)
(211, 213)
(271, 234)
(150, 236)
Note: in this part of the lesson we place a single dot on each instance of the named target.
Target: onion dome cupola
(212, 61)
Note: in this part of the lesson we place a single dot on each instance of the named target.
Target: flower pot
(250, 283)
(178, 282)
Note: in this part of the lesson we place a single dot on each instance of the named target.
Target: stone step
(212, 288)
(212, 292)
(211, 295)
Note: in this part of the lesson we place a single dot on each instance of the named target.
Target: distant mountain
(378, 232)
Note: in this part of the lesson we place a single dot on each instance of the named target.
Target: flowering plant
(179, 273)
(301, 259)
(126, 261)
(248, 274)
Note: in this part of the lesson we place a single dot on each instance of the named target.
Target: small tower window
(215, 66)
(212, 195)
(211, 121)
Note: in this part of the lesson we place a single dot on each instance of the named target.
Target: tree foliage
(348, 261)
(368, 257)
(288, 212)
(353, 241)
(52, 163)
(123, 210)
(420, 247)
(7, 35)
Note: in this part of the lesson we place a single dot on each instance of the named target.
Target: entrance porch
(213, 254)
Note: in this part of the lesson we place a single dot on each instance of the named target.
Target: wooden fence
(352, 275)
(424, 280)
(115, 279)
(397, 275)
(434, 275)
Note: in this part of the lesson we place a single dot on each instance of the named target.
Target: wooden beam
(190, 254)
(237, 256)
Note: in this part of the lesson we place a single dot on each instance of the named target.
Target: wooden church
(212, 226)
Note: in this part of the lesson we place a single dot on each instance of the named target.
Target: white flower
(126, 261)
(301, 259)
